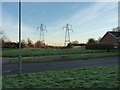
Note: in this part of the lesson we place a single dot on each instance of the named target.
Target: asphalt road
(60, 65)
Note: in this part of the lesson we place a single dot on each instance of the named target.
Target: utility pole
(42, 28)
(67, 28)
(20, 57)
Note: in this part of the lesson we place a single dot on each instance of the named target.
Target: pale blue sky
(88, 19)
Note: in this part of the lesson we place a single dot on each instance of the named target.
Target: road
(60, 65)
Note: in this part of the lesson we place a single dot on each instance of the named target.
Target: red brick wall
(108, 39)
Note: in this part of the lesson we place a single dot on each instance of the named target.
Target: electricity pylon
(67, 28)
(42, 28)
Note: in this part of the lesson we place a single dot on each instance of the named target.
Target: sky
(88, 20)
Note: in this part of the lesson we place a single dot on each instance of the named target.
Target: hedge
(99, 46)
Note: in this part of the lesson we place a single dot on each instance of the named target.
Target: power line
(67, 28)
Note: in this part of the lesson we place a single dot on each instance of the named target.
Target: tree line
(6, 43)
(24, 44)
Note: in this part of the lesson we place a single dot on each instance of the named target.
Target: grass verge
(43, 52)
(62, 57)
(99, 77)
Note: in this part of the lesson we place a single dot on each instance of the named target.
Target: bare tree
(3, 38)
(91, 41)
(29, 43)
(39, 44)
(116, 29)
(23, 43)
(99, 39)
(75, 42)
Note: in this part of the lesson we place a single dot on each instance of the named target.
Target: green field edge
(62, 58)
(47, 52)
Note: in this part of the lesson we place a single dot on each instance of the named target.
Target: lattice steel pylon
(42, 28)
(67, 28)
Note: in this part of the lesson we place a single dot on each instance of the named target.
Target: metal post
(20, 57)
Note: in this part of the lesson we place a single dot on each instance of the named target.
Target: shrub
(99, 46)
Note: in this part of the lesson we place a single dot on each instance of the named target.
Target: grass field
(43, 52)
(63, 57)
(100, 77)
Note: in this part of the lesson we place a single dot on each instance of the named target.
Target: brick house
(111, 38)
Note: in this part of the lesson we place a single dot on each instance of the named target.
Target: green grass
(62, 57)
(42, 52)
(100, 77)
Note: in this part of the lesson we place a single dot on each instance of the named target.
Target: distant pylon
(67, 28)
(42, 28)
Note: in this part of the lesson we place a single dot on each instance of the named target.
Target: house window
(116, 45)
